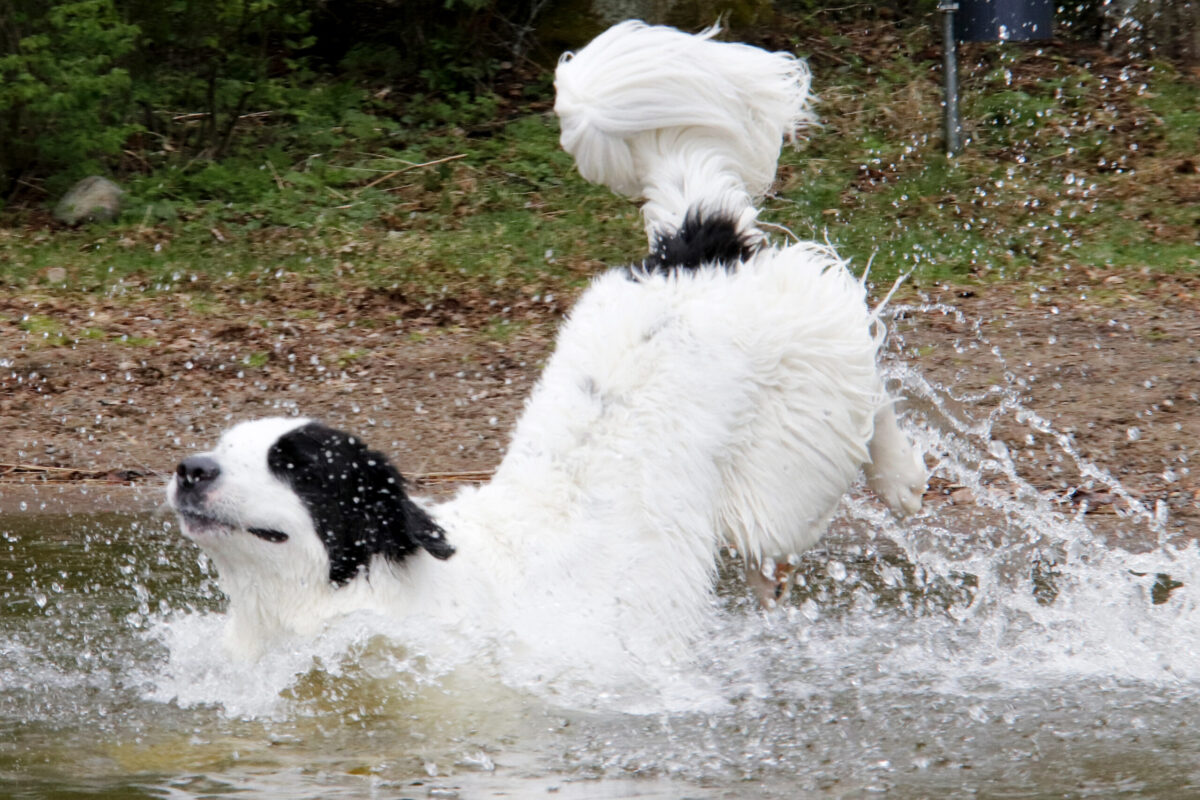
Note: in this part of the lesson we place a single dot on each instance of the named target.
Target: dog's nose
(196, 472)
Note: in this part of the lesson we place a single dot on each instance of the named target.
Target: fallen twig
(476, 476)
(408, 168)
(39, 473)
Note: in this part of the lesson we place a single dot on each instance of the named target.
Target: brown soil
(1111, 362)
(1098, 355)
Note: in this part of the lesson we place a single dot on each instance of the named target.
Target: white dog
(723, 391)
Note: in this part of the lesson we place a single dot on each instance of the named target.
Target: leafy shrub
(62, 96)
(232, 182)
(203, 64)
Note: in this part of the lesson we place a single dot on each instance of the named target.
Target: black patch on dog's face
(714, 240)
(356, 499)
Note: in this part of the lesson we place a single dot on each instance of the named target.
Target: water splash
(1011, 585)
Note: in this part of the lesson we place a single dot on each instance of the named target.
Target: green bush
(201, 65)
(63, 99)
(210, 85)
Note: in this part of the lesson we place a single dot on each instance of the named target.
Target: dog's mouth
(198, 523)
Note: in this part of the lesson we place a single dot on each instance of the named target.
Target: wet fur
(727, 394)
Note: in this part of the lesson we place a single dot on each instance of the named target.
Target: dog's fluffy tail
(692, 125)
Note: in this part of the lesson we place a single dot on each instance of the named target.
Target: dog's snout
(197, 472)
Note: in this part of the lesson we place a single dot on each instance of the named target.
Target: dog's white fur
(684, 122)
(680, 412)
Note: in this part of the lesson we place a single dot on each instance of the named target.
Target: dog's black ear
(356, 500)
(392, 503)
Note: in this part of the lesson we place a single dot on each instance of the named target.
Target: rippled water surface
(1001, 647)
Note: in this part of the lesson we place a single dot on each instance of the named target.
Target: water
(1002, 645)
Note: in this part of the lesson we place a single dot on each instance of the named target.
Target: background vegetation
(409, 143)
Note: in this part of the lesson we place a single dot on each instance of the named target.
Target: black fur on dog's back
(356, 499)
(708, 241)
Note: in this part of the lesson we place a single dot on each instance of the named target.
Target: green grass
(345, 359)
(1066, 164)
(43, 331)
(46, 331)
(257, 359)
(508, 210)
(499, 329)
(1061, 168)
(1177, 102)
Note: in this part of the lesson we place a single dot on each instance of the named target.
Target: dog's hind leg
(896, 472)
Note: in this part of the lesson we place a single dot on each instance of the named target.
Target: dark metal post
(950, 74)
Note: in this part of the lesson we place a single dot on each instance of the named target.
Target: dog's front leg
(897, 470)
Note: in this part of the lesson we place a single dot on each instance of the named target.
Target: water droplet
(810, 610)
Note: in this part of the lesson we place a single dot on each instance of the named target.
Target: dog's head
(296, 496)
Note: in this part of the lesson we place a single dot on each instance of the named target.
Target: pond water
(1002, 647)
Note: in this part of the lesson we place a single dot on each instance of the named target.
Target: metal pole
(950, 74)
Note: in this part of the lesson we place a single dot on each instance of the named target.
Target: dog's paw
(896, 472)
(901, 486)
(770, 582)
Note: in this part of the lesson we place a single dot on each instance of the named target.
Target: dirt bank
(121, 388)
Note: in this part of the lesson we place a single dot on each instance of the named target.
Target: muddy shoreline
(1111, 364)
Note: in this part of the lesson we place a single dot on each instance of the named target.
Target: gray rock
(93, 199)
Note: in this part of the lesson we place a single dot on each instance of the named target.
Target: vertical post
(950, 74)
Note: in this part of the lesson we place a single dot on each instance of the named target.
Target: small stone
(962, 496)
(56, 275)
(93, 199)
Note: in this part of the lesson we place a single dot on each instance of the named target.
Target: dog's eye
(269, 535)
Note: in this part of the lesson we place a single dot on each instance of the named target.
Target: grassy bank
(1075, 161)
